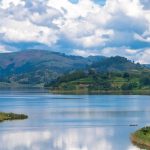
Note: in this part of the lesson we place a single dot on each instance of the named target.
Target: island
(11, 116)
(141, 138)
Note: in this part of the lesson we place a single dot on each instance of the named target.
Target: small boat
(133, 125)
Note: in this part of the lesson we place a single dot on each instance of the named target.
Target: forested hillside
(60, 71)
(111, 74)
(38, 66)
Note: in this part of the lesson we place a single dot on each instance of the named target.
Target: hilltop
(57, 70)
(38, 66)
(111, 74)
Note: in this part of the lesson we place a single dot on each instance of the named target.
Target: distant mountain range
(40, 66)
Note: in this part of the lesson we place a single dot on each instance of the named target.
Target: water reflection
(62, 139)
(71, 122)
(23, 140)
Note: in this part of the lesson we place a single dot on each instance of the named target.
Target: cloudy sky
(79, 27)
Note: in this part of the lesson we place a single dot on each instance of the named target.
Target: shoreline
(101, 92)
(11, 116)
(141, 138)
(81, 91)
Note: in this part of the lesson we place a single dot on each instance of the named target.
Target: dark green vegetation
(114, 64)
(11, 116)
(141, 138)
(62, 72)
(110, 81)
(112, 74)
(36, 67)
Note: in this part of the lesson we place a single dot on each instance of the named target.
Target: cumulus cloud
(25, 31)
(84, 25)
(145, 37)
(85, 53)
(145, 3)
(8, 3)
(3, 49)
(7, 49)
(139, 56)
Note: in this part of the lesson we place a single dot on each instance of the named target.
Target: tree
(129, 86)
(145, 81)
(126, 75)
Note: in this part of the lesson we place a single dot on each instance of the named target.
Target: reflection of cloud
(23, 139)
(86, 139)
(67, 139)
(133, 148)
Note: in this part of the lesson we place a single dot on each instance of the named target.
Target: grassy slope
(11, 116)
(91, 84)
(141, 138)
(33, 67)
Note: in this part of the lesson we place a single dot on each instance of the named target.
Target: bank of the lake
(141, 138)
(11, 116)
(101, 92)
(95, 121)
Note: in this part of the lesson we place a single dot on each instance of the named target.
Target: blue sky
(78, 27)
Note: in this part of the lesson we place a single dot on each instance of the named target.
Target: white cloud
(138, 55)
(7, 3)
(145, 37)
(3, 49)
(84, 34)
(132, 8)
(25, 31)
(145, 3)
(87, 29)
(143, 56)
(7, 49)
(21, 23)
(84, 25)
(81, 9)
(85, 53)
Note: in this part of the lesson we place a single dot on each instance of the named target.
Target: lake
(71, 122)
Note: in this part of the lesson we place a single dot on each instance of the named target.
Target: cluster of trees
(94, 80)
(116, 63)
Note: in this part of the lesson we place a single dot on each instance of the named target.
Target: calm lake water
(71, 122)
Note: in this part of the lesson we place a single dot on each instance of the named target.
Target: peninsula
(11, 116)
(141, 138)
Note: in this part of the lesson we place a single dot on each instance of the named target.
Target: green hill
(38, 66)
(111, 74)
(94, 81)
(116, 63)
(60, 71)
